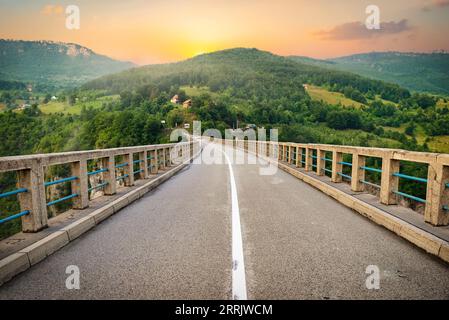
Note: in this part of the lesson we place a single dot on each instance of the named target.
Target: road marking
(238, 265)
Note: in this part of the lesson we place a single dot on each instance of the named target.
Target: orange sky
(155, 31)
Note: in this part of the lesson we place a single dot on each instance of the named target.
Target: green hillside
(420, 72)
(54, 64)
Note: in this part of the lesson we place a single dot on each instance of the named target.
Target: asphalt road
(175, 243)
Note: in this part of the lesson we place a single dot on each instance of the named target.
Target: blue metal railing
(98, 186)
(371, 169)
(122, 177)
(401, 175)
(406, 195)
(370, 184)
(51, 203)
(121, 165)
(326, 170)
(137, 161)
(344, 175)
(345, 163)
(138, 171)
(13, 192)
(97, 171)
(14, 216)
(17, 215)
(50, 183)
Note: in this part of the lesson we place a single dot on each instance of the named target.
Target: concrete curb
(422, 239)
(20, 261)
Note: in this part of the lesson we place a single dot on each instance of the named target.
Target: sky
(159, 31)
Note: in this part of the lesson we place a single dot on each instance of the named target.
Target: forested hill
(53, 64)
(245, 73)
(420, 72)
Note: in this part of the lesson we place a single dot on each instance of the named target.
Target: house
(29, 88)
(187, 104)
(23, 106)
(175, 99)
(54, 98)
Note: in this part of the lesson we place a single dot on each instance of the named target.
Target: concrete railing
(312, 157)
(31, 187)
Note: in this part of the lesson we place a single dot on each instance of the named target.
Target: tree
(46, 98)
(175, 117)
(343, 120)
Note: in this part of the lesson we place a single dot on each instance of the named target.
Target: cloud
(358, 30)
(441, 3)
(436, 4)
(51, 9)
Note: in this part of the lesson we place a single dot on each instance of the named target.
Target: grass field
(321, 94)
(64, 107)
(196, 91)
(438, 144)
(442, 104)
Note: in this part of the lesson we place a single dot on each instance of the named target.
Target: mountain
(244, 73)
(422, 72)
(55, 64)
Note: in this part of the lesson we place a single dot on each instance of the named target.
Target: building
(175, 99)
(187, 104)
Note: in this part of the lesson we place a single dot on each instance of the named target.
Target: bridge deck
(176, 243)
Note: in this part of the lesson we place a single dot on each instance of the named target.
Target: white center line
(238, 265)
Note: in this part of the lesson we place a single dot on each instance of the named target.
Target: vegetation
(237, 86)
(50, 65)
(429, 72)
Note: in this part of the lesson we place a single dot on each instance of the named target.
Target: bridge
(291, 221)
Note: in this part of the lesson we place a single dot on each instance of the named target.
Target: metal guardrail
(312, 157)
(31, 185)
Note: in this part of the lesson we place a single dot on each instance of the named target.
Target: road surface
(176, 243)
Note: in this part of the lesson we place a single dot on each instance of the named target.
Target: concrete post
(80, 185)
(389, 182)
(33, 200)
(162, 161)
(290, 154)
(437, 195)
(143, 165)
(358, 174)
(284, 152)
(154, 161)
(109, 176)
(167, 157)
(298, 156)
(129, 170)
(337, 157)
(308, 165)
(320, 162)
